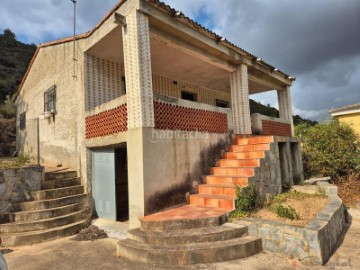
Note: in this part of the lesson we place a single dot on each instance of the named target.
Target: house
(144, 107)
(348, 114)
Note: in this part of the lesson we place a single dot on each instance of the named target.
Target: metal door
(104, 193)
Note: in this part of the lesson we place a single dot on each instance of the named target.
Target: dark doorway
(121, 184)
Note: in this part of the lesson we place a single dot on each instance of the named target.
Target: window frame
(50, 100)
(226, 103)
(189, 93)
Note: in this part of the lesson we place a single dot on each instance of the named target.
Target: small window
(50, 100)
(222, 103)
(123, 80)
(22, 121)
(188, 96)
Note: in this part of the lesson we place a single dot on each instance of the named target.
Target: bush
(330, 149)
(247, 200)
(8, 109)
(285, 212)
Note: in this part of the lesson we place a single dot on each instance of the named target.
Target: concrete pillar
(240, 106)
(285, 107)
(140, 108)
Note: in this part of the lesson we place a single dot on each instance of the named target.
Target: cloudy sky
(317, 41)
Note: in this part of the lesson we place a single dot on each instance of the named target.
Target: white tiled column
(137, 60)
(140, 110)
(285, 107)
(240, 100)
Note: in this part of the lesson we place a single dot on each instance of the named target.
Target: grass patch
(19, 161)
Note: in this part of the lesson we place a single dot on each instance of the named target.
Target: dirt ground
(306, 208)
(66, 254)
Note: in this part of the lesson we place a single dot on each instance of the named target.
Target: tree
(8, 109)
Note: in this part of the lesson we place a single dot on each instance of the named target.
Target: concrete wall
(352, 119)
(16, 185)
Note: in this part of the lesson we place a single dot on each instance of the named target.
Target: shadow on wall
(177, 193)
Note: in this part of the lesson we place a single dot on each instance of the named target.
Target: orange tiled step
(249, 147)
(238, 162)
(242, 171)
(254, 140)
(217, 189)
(244, 155)
(220, 201)
(227, 180)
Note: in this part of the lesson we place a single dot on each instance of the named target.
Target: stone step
(244, 155)
(253, 140)
(220, 201)
(241, 172)
(29, 238)
(198, 235)
(67, 182)
(52, 203)
(57, 193)
(40, 214)
(60, 175)
(229, 180)
(217, 189)
(249, 147)
(254, 162)
(196, 253)
(43, 224)
(209, 218)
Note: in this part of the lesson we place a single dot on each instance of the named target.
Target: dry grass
(307, 206)
(349, 189)
(6, 163)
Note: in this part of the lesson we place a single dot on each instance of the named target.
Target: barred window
(50, 99)
(22, 121)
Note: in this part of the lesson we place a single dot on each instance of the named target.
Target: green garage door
(104, 183)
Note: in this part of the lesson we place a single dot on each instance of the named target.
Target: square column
(140, 109)
(285, 106)
(240, 106)
(138, 74)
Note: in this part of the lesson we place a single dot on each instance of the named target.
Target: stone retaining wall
(16, 185)
(313, 243)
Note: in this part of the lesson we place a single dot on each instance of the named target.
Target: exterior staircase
(61, 208)
(234, 169)
(198, 232)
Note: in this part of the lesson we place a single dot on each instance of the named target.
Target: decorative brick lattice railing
(106, 123)
(175, 117)
(265, 125)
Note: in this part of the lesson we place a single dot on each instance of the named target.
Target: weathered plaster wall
(16, 185)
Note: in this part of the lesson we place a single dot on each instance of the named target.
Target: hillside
(15, 57)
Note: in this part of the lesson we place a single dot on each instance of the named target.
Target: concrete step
(173, 255)
(57, 175)
(198, 235)
(43, 224)
(57, 193)
(34, 215)
(217, 189)
(244, 155)
(52, 203)
(220, 201)
(249, 147)
(253, 140)
(183, 224)
(29, 238)
(67, 182)
(254, 162)
(224, 179)
(241, 172)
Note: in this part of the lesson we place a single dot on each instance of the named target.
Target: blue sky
(316, 41)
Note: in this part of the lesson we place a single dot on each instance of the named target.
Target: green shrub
(285, 211)
(8, 109)
(247, 200)
(329, 149)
